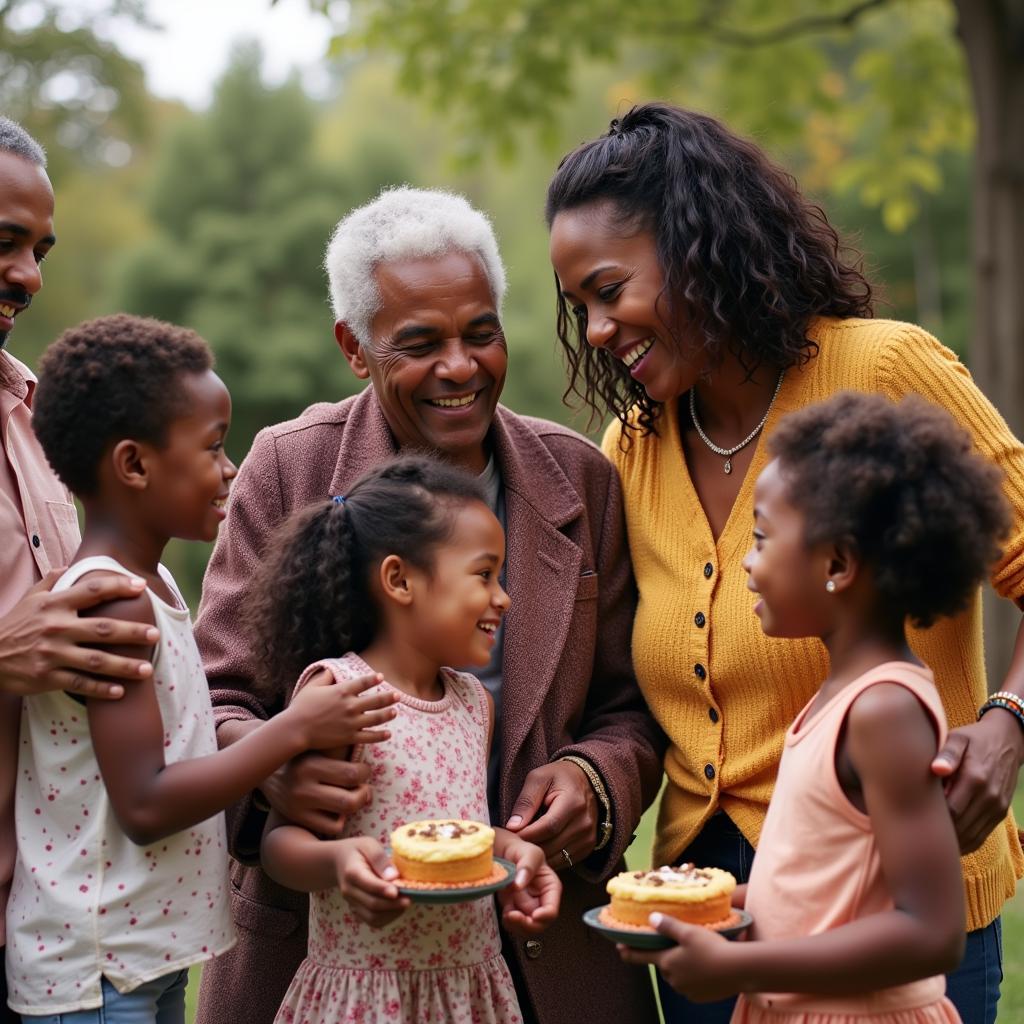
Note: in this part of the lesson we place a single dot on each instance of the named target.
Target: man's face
(26, 235)
(437, 355)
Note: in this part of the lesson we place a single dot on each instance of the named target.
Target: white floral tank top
(86, 902)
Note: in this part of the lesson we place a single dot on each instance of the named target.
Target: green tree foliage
(878, 84)
(74, 91)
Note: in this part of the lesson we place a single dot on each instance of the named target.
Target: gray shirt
(490, 674)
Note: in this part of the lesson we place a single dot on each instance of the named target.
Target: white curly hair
(403, 223)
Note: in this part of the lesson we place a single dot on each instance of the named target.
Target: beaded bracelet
(1012, 698)
(1008, 701)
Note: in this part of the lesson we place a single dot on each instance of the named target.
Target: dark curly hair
(106, 380)
(904, 485)
(312, 597)
(747, 260)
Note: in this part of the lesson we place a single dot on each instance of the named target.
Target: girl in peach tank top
(870, 514)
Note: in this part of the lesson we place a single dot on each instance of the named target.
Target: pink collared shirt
(38, 532)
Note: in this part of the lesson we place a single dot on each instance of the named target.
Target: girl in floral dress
(399, 577)
(872, 517)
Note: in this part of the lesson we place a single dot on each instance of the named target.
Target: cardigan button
(699, 620)
(713, 715)
(700, 671)
(709, 772)
(35, 540)
(533, 948)
(708, 570)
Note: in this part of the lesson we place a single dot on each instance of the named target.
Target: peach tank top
(817, 865)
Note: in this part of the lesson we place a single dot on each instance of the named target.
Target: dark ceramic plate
(653, 939)
(462, 893)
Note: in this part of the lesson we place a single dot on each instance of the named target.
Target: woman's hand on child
(530, 904)
(698, 966)
(979, 764)
(366, 878)
(559, 796)
(343, 714)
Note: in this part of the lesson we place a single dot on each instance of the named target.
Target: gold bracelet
(604, 828)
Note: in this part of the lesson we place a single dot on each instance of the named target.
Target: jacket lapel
(543, 564)
(542, 574)
(366, 442)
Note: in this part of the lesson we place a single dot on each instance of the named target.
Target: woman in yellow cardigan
(701, 298)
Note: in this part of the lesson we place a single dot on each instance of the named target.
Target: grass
(1011, 1003)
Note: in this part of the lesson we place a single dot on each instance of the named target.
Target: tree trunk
(992, 32)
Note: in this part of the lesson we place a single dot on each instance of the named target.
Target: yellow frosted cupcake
(690, 894)
(444, 851)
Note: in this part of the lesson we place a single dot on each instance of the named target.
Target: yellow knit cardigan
(724, 692)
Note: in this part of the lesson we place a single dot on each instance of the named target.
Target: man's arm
(10, 719)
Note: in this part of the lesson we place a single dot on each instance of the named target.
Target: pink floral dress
(434, 964)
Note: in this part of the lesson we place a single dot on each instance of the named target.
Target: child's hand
(530, 903)
(334, 715)
(366, 878)
(698, 967)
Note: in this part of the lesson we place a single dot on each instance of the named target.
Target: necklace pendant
(728, 466)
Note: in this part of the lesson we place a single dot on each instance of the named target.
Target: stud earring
(830, 586)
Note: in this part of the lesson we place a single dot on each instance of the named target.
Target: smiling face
(786, 572)
(190, 475)
(613, 281)
(26, 235)
(437, 355)
(462, 603)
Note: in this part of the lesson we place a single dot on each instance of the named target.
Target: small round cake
(445, 851)
(690, 894)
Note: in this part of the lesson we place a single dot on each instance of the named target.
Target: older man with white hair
(416, 284)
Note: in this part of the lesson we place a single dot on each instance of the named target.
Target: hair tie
(338, 499)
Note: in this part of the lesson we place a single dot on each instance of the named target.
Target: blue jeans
(973, 987)
(6, 1016)
(160, 1001)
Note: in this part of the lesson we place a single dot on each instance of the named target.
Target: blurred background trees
(218, 218)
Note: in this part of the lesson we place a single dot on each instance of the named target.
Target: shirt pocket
(587, 589)
(64, 519)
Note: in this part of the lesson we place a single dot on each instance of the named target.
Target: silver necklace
(728, 453)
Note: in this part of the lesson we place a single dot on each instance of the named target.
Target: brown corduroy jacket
(567, 688)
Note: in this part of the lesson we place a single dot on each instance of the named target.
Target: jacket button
(699, 620)
(534, 948)
(35, 540)
(708, 570)
(700, 671)
(709, 771)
